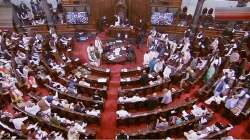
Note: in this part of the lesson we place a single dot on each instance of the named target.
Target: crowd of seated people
(31, 16)
(27, 64)
(21, 124)
(178, 118)
(230, 91)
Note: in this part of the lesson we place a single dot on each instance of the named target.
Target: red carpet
(108, 119)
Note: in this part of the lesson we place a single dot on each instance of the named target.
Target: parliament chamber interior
(124, 69)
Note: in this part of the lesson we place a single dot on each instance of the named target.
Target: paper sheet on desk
(102, 80)
(125, 70)
(128, 79)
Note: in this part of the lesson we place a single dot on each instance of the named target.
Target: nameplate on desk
(102, 80)
(118, 41)
(107, 70)
(138, 68)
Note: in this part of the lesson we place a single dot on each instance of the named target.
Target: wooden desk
(149, 89)
(91, 134)
(113, 31)
(86, 89)
(133, 71)
(89, 102)
(148, 101)
(162, 134)
(135, 80)
(98, 70)
(97, 81)
(71, 114)
(149, 115)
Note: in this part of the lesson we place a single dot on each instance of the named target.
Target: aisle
(108, 119)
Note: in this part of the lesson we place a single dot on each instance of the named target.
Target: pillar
(197, 14)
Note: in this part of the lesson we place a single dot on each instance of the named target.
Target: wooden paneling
(138, 9)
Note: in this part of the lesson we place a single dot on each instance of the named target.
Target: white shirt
(32, 110)
(93, 112)
(132, 99)
(18, 122)
(167, 72)
(146, 59)
(123, 113)
(198, 112)
(158, 66)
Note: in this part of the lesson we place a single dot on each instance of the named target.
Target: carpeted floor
(108, 120)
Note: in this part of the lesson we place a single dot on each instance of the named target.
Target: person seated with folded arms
(161, 123)
(167, 96)
(93, 55)
(122, 113)
(122, 136)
